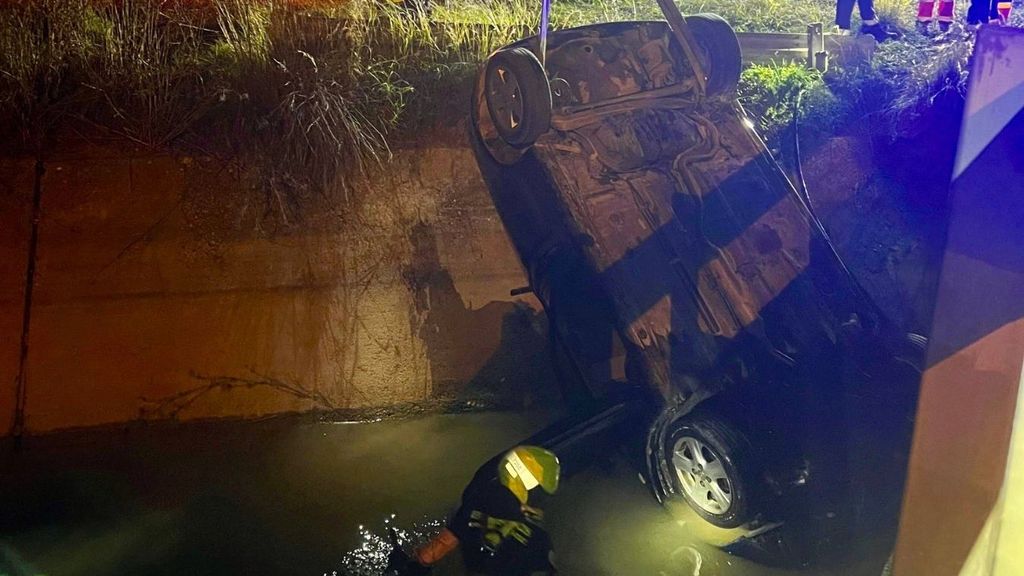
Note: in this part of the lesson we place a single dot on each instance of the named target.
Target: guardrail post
(817, 58)
(821, 61)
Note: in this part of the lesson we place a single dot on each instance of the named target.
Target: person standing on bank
(870, 24)
(500, 524)
(928, 12)
(988, 12)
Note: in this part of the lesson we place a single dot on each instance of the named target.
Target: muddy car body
(669, 249)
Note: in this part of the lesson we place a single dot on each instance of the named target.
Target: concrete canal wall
(166, 289)
(163, 291)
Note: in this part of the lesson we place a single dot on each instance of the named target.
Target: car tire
(719, 48)
(711, 466)
(518, 96)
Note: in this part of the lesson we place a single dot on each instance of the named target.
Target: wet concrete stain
(517, 372)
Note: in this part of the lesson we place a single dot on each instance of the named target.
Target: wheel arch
(723, 403)
(654, 449)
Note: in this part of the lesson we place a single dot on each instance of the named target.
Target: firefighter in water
(499, 525)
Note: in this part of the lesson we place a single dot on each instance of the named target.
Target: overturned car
(670, 250)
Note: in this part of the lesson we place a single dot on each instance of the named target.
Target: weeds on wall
(289, 95)
(39, 67)
(297, 100)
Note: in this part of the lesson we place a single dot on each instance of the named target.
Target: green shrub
(769, 92)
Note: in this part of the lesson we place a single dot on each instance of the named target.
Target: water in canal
(300, 497)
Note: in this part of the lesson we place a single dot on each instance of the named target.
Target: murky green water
(304, 498)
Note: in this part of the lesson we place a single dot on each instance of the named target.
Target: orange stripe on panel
(961, 438)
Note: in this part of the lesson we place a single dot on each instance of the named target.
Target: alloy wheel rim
(702, 475)
(505, 94)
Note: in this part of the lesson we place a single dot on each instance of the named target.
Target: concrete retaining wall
(163, 291)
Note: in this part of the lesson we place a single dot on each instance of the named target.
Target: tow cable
(799, 166)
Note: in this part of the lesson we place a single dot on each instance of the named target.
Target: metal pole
(545, 15)
(685, 38)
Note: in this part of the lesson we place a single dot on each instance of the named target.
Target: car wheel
(719, 49)
(710, 464)
(518, 96)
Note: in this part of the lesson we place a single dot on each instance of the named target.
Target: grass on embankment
(306, 93)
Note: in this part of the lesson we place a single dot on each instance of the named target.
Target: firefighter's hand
(519, 531)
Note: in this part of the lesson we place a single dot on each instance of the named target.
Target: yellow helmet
(526, 467)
